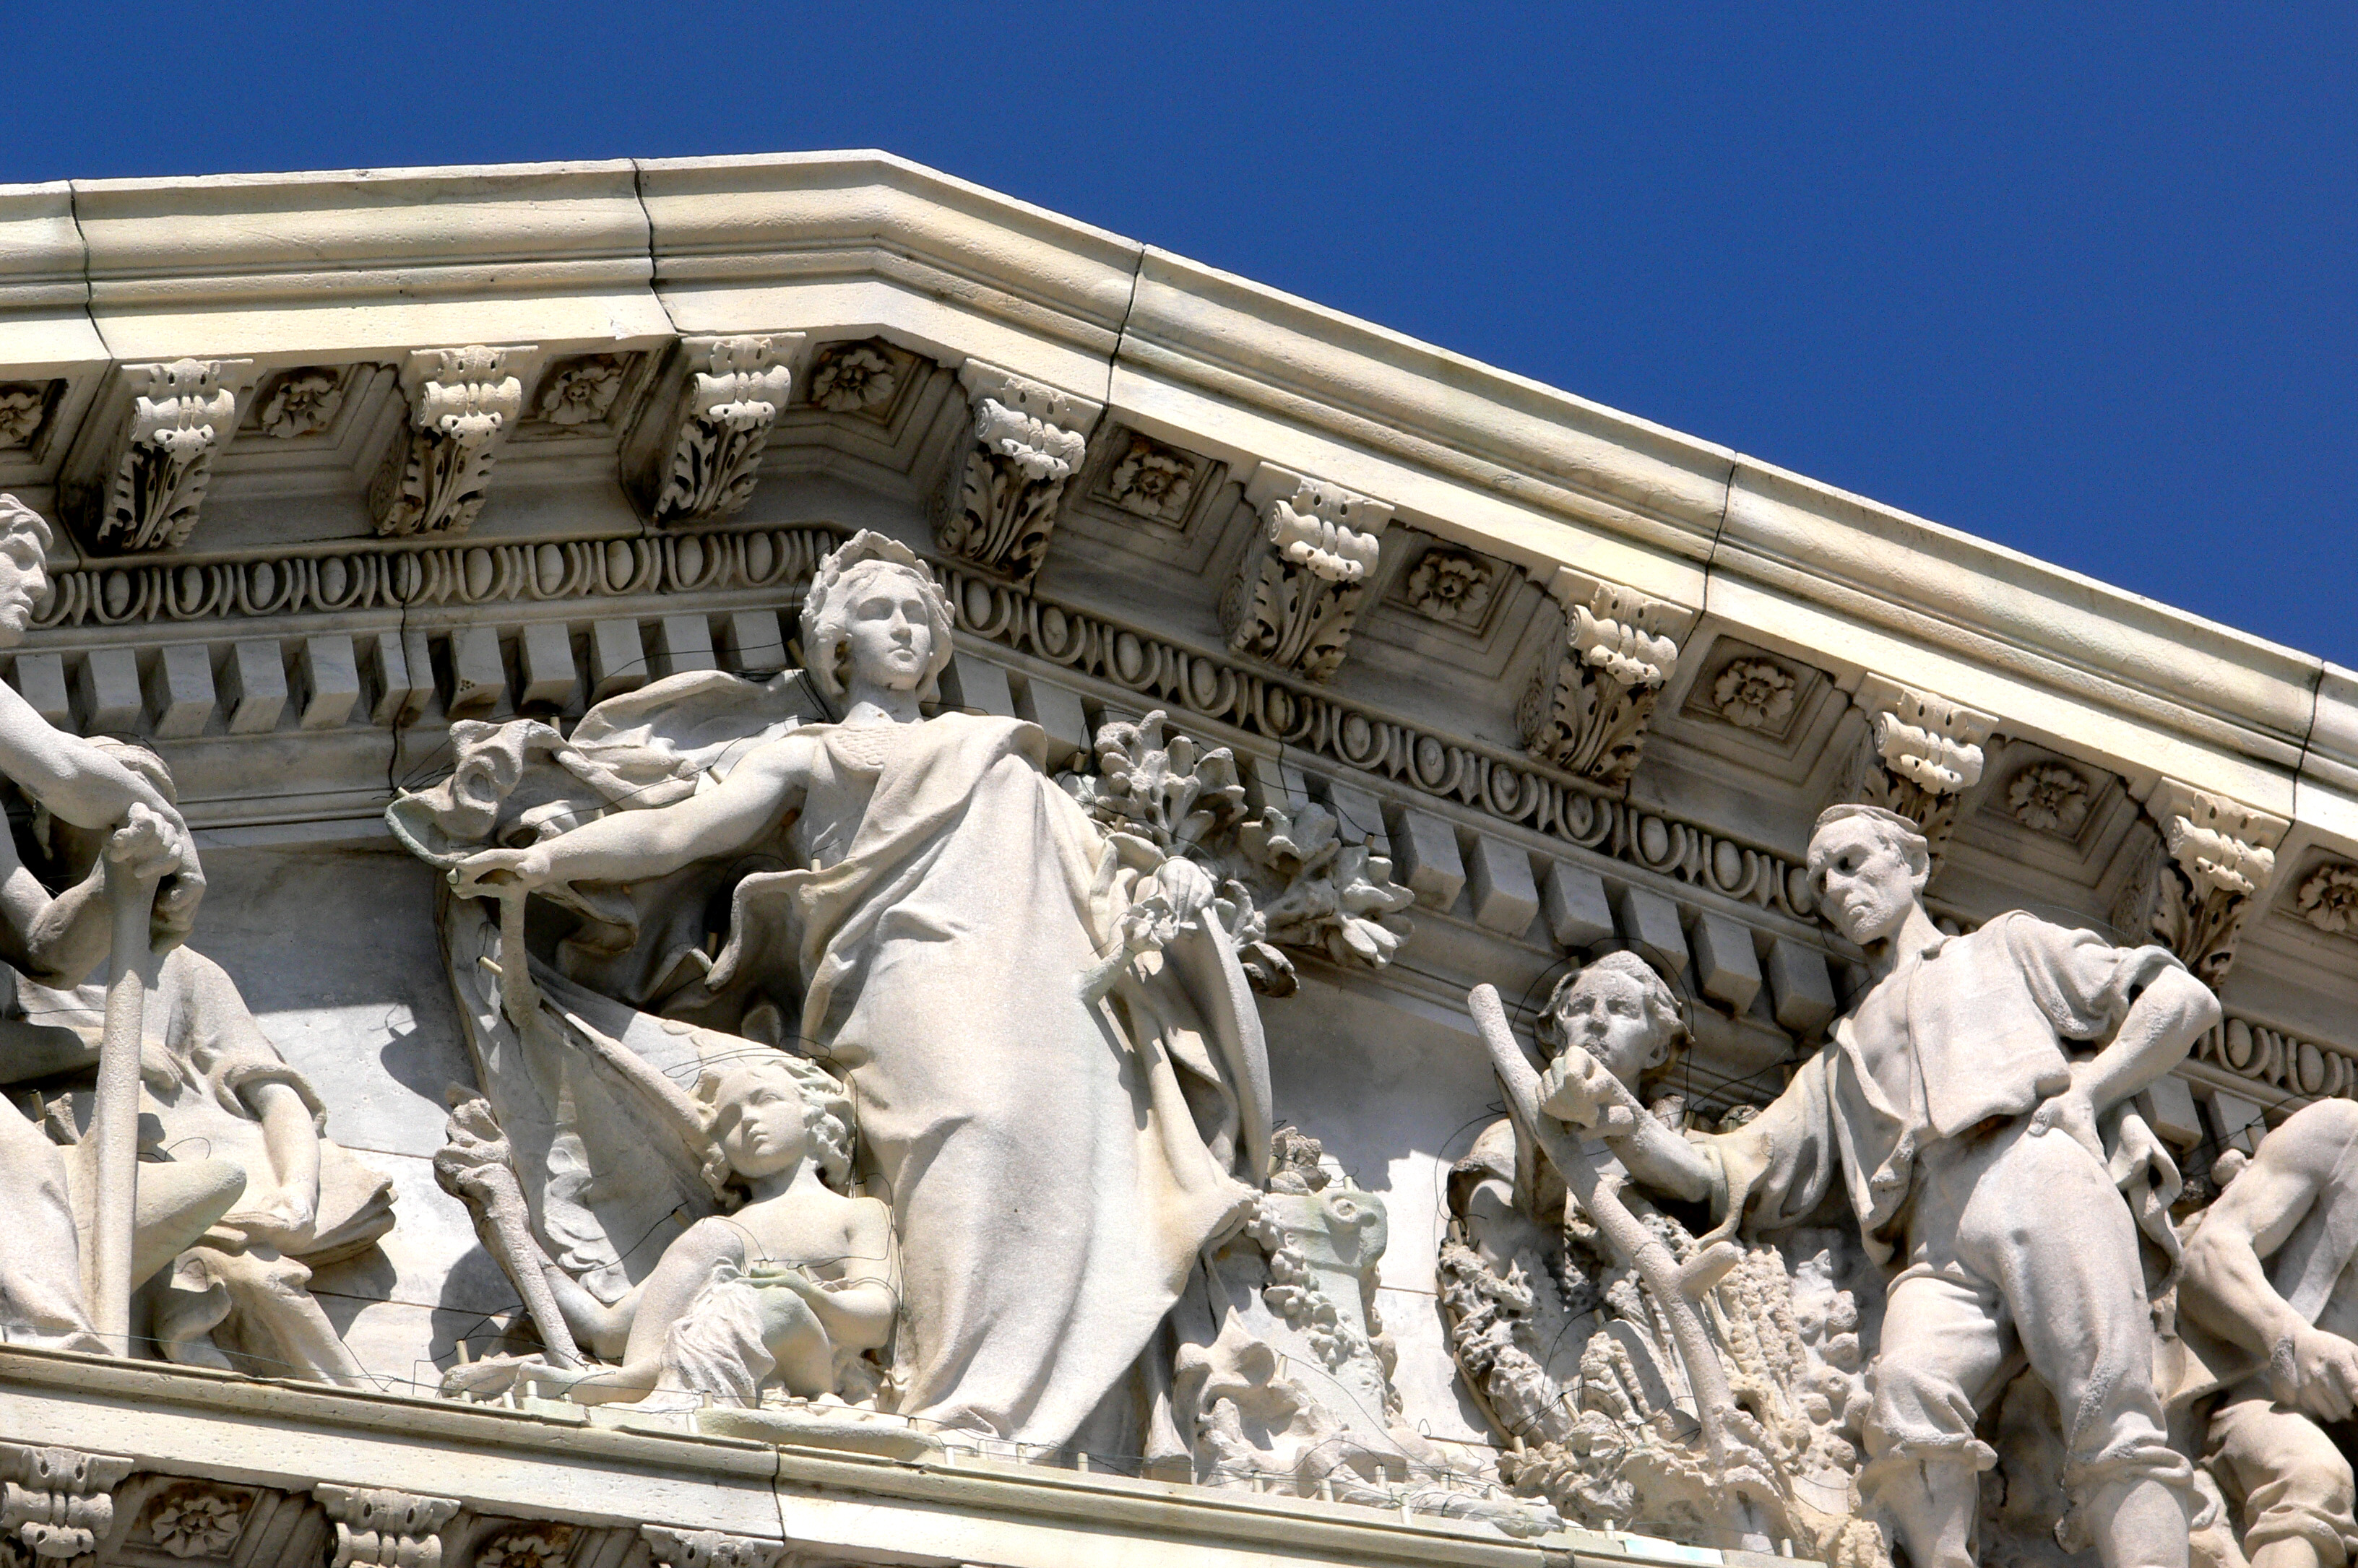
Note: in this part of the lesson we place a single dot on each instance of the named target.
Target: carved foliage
(580, 390)
(2049, 797)
(709, 1549)
(2328, 898)
(24, 409)
(1025, 441)
(1152, 481)
(1569, 1357)
(385, 1528)
(1324, 1239)
(1332, 895)
(154, 474)
(1587, 709)
(1453, 586)
(1168, 790)
(57, 1503)
(863, 378)
(526, 1546)
(1288, 880)
(735, 387)
(462, 403)
(302, 402)
(1754, 694)
(198, 1519)
(2193, 888)
(1298, 589)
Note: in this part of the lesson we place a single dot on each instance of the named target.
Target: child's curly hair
(1661, 1004)
(827, 1111)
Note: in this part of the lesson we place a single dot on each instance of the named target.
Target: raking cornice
(298, 267)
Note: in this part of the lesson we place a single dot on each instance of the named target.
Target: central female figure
(1055, 1154)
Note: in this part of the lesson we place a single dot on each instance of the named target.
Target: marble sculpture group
(959, 987)
(851, 1047)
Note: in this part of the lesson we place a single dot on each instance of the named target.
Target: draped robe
(1053, 1164)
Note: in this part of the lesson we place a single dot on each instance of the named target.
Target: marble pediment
(505, 491)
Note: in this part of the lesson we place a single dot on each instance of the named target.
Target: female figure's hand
(492, 873)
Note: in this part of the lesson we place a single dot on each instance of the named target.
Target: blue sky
(2081, 280)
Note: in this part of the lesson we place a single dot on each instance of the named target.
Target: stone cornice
(294, 268)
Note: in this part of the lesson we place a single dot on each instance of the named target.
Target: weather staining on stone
(300, 403)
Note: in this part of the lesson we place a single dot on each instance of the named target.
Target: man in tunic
(2267, 1270)
(1970, 1145)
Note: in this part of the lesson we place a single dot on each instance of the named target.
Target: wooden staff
(132, 967)
(1674, 1286)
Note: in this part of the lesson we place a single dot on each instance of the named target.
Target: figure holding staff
(139, 898)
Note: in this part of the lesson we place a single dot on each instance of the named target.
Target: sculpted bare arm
(65, 773)
(79, 783)
(632, 845)
(2227, 1289)
(858, 1312)
(2154, 1036)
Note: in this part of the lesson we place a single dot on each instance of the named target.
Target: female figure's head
(875, 617)
(768, 1111)
(1619, 1010)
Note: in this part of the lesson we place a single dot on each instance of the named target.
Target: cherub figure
(794, 1286)
(1620, 1013)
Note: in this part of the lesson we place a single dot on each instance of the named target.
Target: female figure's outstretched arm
(636, 846)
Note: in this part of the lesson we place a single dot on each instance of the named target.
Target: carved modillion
(1919, 755)
(696, 452)
(1592, 698)
(1025, 441)
(1297, 591)
(709, 1549)
(169, 422)
(462, 405)
(2194, 889)
(380, 1527)
(57, 1504)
